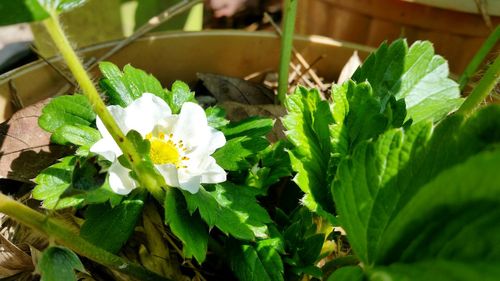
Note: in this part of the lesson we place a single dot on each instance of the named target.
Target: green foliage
(259, 261)
(54, 187)
(216, 117)
(386, 198)
(308, 121)
(110, 227)
(190, 229)
(231, 208)
(59, 264)
(179, 94)
(244, 140)
(121, 88)
(20, 11)
(274, 164)
(414, 74)
(69, 118)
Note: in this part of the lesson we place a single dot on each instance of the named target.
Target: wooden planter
(179, 56)
(456, 35)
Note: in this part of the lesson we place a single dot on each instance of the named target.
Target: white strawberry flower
(181, 144)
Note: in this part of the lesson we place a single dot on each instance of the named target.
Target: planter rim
(182, 34)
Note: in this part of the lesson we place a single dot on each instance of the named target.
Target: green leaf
(377, 189)
(72, 110)
(311, 248)
(86, 175)
(231, 208)
(236, 153)
(80, 135)
(110, 227)
(348, 273)
(464, 217)
(54, 187)
(308, 122)
(251, 263)
(250, 127)
(20, 11)
(414, 74)
(122, 88)
(216, 117)
(437, 270)
(179, 94)
(59, 264)
(274, 165)
(190, 229)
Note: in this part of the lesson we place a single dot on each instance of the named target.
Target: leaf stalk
(286, 48)
(147, 178)
(64, 235)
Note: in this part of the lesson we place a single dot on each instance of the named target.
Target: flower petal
(189, 182)
(192, 125)
(169, 173)
(213, 173)
(145, 112)
(119, 179)
(217, 140)
(107, 148)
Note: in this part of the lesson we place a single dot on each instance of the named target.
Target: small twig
(308, 69)
(481, 7)
(17, 103)
(150, 25)
(297, 55)
(59, 71)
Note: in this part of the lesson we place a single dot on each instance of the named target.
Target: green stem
(147, 179)
(286, 48)
(483, 88)
(478, 58)
(64, 235)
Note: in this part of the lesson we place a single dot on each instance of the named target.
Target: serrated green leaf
(308, 122)
(466, 209)
(190, 229)
(251, 263)
(80, 135)
(72, 110)
(388, 176)
(122, 88)
(250, 127)
(59, 264)
(235, 154)
(231, 208)
(54, 183)
(414, 74)
(179, 94)
(110, 227)
(216, 117)
(274, 165)
(86, 175)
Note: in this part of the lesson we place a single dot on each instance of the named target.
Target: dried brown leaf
(349, 68)
(12, 259)
(25, 148)
(225, 88)
(236, 111)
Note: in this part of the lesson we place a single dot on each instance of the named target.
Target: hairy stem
(147, 179)
(483, 88)
(286, 47)
(66, 236)
(478, 58)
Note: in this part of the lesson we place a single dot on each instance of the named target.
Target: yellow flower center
(165, 151)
